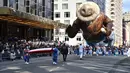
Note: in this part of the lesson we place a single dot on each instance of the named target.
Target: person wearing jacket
(64, 52)
(26, 56)
(55, 55)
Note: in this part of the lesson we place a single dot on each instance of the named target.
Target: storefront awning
(10, 14)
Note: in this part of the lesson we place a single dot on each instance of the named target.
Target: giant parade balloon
(95, 25)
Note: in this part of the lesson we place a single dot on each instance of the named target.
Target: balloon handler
(95, 25)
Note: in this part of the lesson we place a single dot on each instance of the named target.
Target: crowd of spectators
(103, 50)
(14, 50)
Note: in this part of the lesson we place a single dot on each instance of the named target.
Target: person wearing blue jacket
(55, 55)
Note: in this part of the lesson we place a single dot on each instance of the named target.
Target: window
(55, 6)
(66, 38)
(64, 0)
(112, 0)
(16, 0)
(35, 1)
(112, 9)
(57, 14)
(27, 9)
(5, 2)
(27, 3)
(11, 2)
(43, 14)
(16, 6)
(112, 17)
(112, 4)
(65, 6)
(55, 0)
(78, 38)
(56, 31)
(66, 14)
(67, 21)
(112, 13)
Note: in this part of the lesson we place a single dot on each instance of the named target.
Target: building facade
(114, 11)
(42, 8)
(126, 28)
(36, 8)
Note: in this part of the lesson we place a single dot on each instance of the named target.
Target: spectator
(12, 55)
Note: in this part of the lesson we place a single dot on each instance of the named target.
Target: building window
(78, 38)
(35, 1)
(27, 3)
(64, 0)
(66, 38)
(112, 0)
(16, 0)
(5, 2)
(57, 14)
(112, 4)
(27, 9)
(112, 17)
(56, 31)
(66, 14)
(43, 14)
(55, 6)
(112, 9)
(65, 6)
(55, 0)
(67, 21)
(112, 13)
(11, 2)
(16, 6)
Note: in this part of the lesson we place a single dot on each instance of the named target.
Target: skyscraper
(114, 11)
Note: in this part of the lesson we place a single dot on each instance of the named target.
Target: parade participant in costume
(96, 26)
(81, 48)
(64, 51)
(55, 55)
(26, 56)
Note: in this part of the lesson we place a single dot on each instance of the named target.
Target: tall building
(126, 28)
(26, 19)
(114, 11)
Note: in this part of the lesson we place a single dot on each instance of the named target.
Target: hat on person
(88, 11)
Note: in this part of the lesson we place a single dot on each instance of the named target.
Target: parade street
(89, 64)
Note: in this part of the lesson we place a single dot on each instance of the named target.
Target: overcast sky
(126, 5)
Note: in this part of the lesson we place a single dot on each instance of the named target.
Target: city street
(89, 64)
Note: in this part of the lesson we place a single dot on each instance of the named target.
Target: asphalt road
(89, 64)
